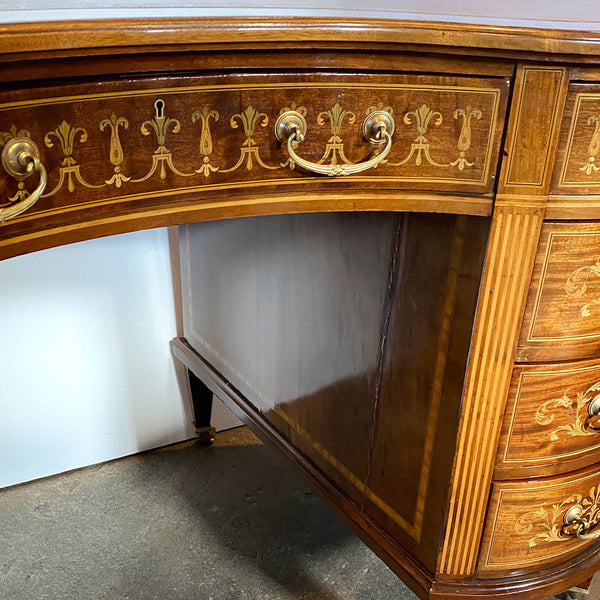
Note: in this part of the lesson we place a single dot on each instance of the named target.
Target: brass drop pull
(20, 159)
(593, 418)
(377, 128)
(575, 524)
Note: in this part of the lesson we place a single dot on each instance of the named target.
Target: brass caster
(206, 435)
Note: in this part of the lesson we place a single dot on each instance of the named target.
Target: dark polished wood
(202, 400)
(298, 324)
(362, 321)
(415, 347)
(541, 584)
(172, 148)
(538, 100)
(434, 292)
(89, 37)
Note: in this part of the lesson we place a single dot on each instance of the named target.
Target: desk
(435, 328)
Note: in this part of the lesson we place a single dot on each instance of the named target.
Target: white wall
(86, 373)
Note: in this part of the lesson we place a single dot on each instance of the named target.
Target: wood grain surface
(327, 324)
(422, 375)
(525, 522)
(562, 320)
(517, 221)
(291, 310)
(176, 147)
(575, 190)
(365, 342)
(547, 428)
(63, 37)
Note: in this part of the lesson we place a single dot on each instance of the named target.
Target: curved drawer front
(577, 169)
(525, 527)
(575, 187)
(122, 146)
(551, 423)
(562, 318)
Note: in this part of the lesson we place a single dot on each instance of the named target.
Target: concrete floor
(229, 522)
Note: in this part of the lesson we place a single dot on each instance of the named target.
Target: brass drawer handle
(20, 159)
(593, 419)
(576, 525)
(378, 128)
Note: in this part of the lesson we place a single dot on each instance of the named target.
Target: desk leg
(202, 399)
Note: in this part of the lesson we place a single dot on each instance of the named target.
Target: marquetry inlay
(116, 149)
(546, 524)
(210, 137)
(66, 135)
(518, 216)
(510, 256)
(579, 167)
(585, 282)
(575, 407)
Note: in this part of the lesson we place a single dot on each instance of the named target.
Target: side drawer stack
(547, 476)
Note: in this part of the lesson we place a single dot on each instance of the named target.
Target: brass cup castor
(206, 435)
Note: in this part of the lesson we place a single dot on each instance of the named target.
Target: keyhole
(159, 106)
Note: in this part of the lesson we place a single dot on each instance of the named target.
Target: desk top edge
(544, 14)
(87, 34)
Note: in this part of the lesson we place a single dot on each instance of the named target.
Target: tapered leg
(202, 399)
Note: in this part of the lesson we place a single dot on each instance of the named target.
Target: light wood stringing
(524, 520)
(541, 437)
(562, 319)
(518, 217)
(521, 201)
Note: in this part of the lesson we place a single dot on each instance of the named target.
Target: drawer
(575, 187)
(184, 144)
(550, 424)
(562, 317)
(577, 170)
(525, 527)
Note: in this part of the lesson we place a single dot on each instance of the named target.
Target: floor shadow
(228, 522)
(252, 504)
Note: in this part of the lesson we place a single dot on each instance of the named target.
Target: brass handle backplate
(20, 159)
(576, 525)
(377, 128)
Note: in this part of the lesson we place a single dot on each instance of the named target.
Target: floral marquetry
(136, 145)
(250, 118)
(204, 115)
(422, 117)
(579, 409)
(70, 172)
(585, 282)
(563, 310)
(538, 521)
(547, 524)
(464, 140)
(116, 150)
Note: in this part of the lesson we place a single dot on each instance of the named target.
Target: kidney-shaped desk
(390, 250)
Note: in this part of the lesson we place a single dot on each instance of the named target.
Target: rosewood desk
(390, 240)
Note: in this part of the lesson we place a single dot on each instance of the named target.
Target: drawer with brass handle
(538, 523)
(552, 420)
(20, 159)
(175, 147)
